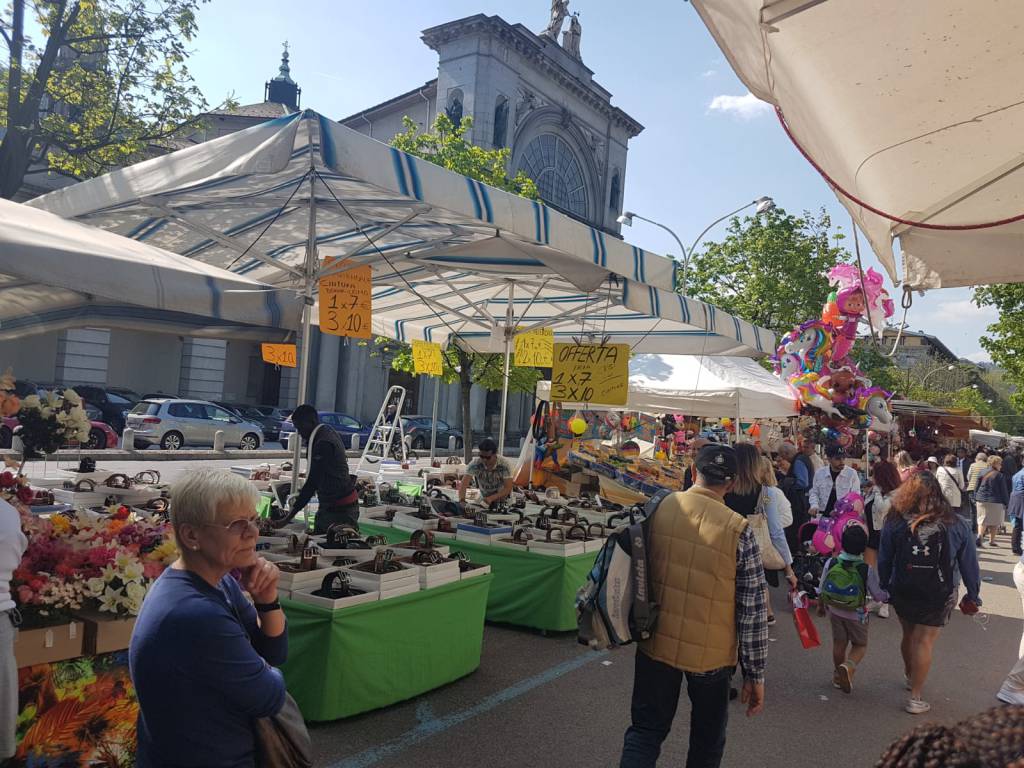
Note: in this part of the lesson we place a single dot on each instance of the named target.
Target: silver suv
(172, 424)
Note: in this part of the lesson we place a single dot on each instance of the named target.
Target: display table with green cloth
(341, 663)
(529, 590)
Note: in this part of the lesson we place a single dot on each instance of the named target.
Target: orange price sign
(345, 300)
(279, 354)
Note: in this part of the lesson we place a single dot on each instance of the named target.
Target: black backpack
(927, 568)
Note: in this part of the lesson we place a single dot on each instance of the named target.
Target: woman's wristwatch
(267, 607)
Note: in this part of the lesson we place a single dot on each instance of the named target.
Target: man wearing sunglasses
(491, 473)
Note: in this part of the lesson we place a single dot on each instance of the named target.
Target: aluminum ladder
(387, 428)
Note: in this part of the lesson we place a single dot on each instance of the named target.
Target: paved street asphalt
(546, 701)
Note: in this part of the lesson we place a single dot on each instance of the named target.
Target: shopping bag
(804, 623)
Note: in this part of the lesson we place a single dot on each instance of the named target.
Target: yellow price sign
(535, 349)
(345, 300)
(280, 354)
(590, 373)
(426, 358)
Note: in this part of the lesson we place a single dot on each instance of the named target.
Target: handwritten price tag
(345, 301)
(590, 373)
(535, 349)
(426, 358)
(279, 354)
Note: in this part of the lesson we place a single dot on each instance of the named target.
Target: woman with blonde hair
(747, 497)
(770, 481)
(905, 465)
(992, 498)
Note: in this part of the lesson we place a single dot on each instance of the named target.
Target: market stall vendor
(832, 482)
(327, 475)
(491, 473)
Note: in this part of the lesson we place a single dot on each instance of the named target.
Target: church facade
(526, 91)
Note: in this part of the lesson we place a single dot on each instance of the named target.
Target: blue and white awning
(57, 274)
(444, 249)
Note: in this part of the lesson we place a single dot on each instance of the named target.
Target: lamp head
(626, 218)
(764, 204)
(950, 367)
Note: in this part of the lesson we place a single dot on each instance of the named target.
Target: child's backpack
(845, 585)
(614, 606)
(926, 567)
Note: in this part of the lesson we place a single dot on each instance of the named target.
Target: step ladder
(386, 443)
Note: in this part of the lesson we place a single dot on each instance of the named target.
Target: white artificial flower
(132, 572)
(110, 600)
(46, 412)
(72, 397)
(32, 403)
(95, 585)
(135, 591)
(53, 399)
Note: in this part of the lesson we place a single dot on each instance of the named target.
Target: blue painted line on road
(432, 727)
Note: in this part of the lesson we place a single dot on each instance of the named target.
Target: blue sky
(708, 146)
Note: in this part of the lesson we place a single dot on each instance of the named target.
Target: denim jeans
(656, 688)
(1015, 542)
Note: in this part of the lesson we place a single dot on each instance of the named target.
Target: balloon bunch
(814, 358)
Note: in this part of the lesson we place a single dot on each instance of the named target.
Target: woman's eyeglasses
(238, 527)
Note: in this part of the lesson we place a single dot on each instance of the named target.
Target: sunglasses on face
(239, 527)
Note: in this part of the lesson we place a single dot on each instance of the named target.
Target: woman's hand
(260, 581)
(791, 578)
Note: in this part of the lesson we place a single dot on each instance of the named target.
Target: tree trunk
(15, 155)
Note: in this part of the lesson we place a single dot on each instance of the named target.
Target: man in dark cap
(708, 581)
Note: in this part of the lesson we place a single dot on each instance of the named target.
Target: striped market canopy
(450, 256)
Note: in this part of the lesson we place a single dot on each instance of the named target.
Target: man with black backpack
(708, 583)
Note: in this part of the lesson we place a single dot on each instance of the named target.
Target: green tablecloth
(529, 590)
(341, 663)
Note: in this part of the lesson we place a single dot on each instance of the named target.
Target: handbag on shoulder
(282, 740)
(770, 556)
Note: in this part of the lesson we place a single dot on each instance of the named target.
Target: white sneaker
(917, 706)
(883, 611)
(1007, 696)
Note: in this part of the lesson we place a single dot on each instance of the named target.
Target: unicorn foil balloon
(874, 402)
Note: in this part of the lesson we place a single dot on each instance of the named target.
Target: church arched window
(500, 135)
(454, 108)
(553, 165)
(616, 192)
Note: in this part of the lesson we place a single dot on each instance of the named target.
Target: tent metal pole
(307, 326)
(509, 330)
(433, 418)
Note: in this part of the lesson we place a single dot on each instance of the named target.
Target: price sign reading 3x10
(590, 373)
(279, 354)
(345, 301)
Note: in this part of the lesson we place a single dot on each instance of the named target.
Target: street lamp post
(928, 375)
(763, 204)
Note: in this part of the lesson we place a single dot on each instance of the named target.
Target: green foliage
(770, 269)
(1005, 339)
(102, 81)
(878, 367)
(487, 370)
(447, 146)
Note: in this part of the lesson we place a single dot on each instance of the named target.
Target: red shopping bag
(804, 623)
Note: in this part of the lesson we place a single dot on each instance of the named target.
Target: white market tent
(705, 386)
(912, 109)
(57, 274)
(451, 257)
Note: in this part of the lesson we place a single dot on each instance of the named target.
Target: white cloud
(981, 356)
(709, 73)
(746, 107)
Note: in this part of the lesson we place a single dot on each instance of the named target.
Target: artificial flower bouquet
(52, 420)
(86, 560)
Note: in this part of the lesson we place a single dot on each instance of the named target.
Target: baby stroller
(808, 563)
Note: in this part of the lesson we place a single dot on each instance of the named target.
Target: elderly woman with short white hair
(203, 656)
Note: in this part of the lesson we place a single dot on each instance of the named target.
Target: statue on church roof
(571, 37)
(559, 10)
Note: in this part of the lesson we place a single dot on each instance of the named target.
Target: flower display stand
(104, 632)
(45, 645)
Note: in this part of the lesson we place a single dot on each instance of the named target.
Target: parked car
(160, 396)
(273, 410)
(100, 434)
(173, 424)
(113, 406)
(271, 424)
(344, 425)
(128, 394)
(417, 432)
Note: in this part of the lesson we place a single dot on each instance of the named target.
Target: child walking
(845, 585)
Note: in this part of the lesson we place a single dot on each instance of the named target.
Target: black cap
(717, 462)
(835, 452)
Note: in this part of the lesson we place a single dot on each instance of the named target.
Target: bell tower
(282, 89)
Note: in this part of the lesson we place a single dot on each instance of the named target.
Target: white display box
(367, 514)
(405, 589)
(359, 555)
(306, 595)
(382, 582)
(299, 579)
(556, 548)
(378, 520)
(488, 532)
(406, 521)
(510, 543)
(404, 549)
(475, 569)
(436, 575)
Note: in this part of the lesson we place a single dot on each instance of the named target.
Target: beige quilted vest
(694, 537)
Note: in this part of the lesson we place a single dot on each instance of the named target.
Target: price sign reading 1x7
(345, 300)
(279, 354)
(590, 373)
(426, 358)
(534, 348)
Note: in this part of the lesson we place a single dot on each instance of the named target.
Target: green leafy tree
(446, 145)
(93, 85)
(467, 368)
(1005, 339)
(770, 269)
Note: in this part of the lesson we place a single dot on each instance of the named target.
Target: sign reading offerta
(590, 373)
